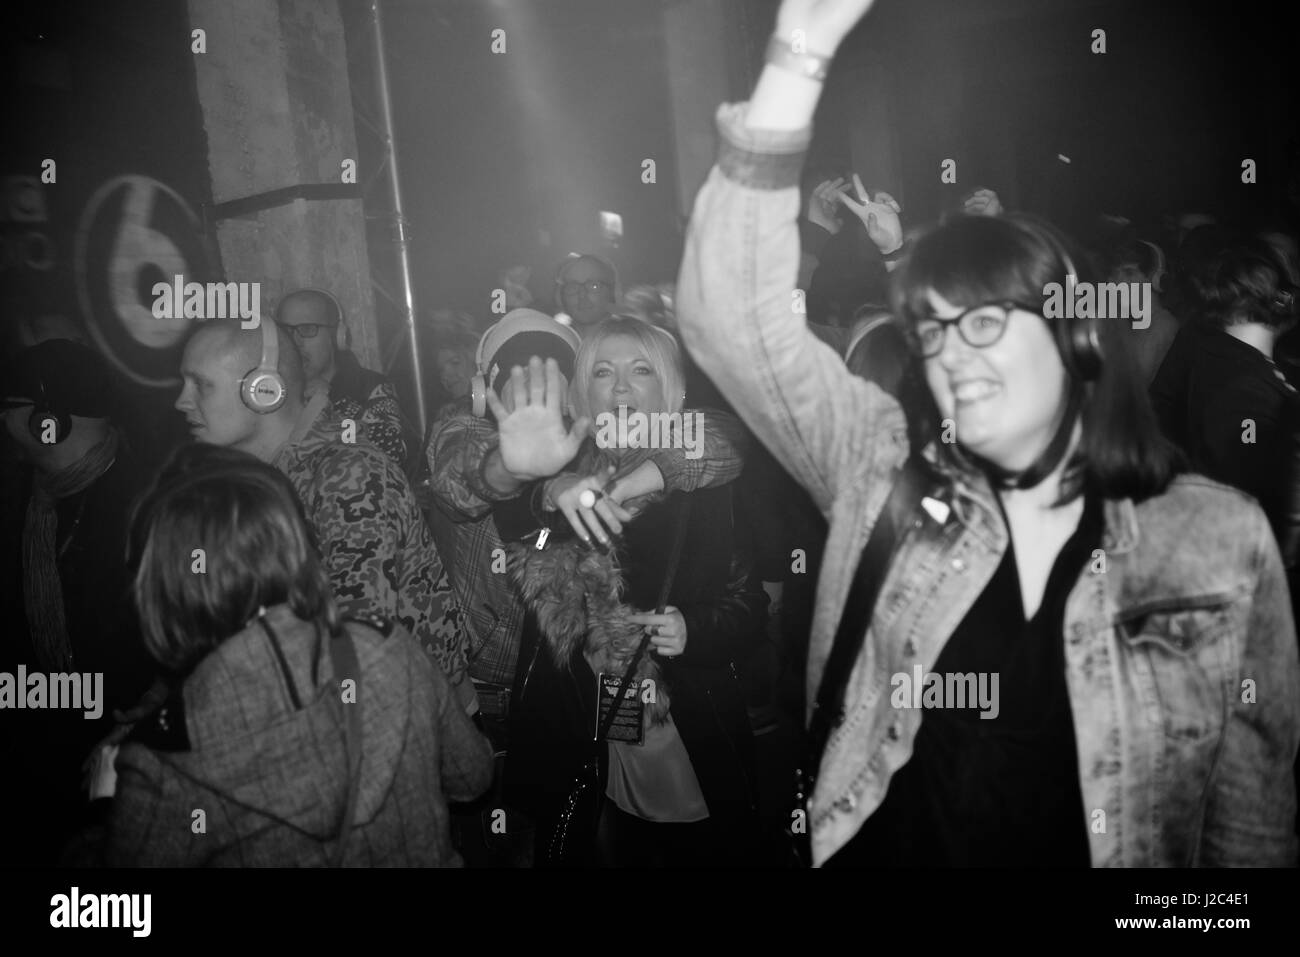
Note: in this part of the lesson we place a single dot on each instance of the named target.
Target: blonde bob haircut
(659, 348)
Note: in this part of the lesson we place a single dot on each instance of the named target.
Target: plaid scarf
(42, 589)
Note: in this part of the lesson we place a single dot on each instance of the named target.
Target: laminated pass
(628, 725)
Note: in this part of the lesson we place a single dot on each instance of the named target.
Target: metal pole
(399, 219)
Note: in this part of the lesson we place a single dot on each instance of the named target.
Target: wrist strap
(897, 254)
(809, 65)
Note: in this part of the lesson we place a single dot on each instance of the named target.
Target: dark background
(1160, 123)
(509, 158)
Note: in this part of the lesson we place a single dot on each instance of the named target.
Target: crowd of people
(328, 640)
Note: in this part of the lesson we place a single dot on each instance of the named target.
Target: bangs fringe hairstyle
(258, 552)
(659, 347)
(971, 260)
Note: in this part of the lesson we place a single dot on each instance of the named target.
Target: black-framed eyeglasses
(979, 326)
(594, 286)
(308, 330)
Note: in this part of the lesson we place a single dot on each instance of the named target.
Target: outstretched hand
(879, 214)
(533, 440)
(824, 203)
(591, 504)
(983, 202)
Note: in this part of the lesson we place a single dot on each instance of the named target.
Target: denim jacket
(1180, 645)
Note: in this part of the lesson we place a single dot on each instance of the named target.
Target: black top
(553, 707)
(45, 748)
(1003, 791)
(1232, 410)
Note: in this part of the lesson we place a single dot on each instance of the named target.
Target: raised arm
(461, 447)
(737, 307)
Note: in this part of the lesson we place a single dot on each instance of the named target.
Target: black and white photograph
(712, 441)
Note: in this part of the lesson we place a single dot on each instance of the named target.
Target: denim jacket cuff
(759, 159)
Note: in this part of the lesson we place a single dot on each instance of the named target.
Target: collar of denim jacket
(971, 498)
(1120, 534)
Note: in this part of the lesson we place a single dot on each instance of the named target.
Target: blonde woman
(682, 794)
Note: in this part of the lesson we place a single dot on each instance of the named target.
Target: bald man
(586, 288)
(360, 394)
(377, 547)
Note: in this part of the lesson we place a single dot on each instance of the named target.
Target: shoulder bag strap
(828, 710)
(674, 558)
(343, 655)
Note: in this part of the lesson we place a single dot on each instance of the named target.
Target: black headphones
(1077, 339)
(43, 413)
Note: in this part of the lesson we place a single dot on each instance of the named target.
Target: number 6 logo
(136, 231)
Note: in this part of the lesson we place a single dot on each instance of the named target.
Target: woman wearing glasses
(1126, 627)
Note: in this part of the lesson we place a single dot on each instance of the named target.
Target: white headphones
(262, 389)
(506, 328)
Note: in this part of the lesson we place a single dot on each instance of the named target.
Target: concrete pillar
(277, 109)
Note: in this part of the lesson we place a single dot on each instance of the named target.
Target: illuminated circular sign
(134, 232)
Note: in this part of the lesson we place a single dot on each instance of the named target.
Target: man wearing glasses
(315, 319)
(586, 288)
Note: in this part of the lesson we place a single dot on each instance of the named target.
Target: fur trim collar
(576, 594)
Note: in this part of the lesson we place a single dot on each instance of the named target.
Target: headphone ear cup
(1081, 349)
(478, 395)
(1081, 340)
(38, 421)
(262, 390)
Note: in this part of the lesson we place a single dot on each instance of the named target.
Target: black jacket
(1208, 392)
(44, 749)
(553, 712)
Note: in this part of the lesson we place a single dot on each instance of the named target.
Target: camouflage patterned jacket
(373, 537)
(369, 398)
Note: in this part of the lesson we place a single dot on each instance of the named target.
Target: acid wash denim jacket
(1180, 645)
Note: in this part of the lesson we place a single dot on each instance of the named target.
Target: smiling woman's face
(621, 375)
(1005, 399)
